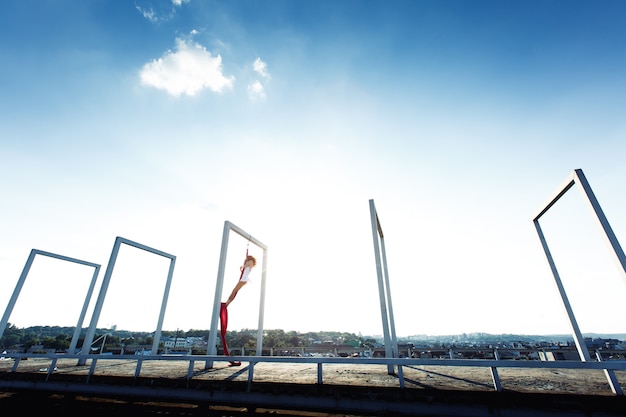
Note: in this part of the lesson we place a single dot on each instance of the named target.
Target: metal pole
(260, 331)
(611, 239)
(16, 292)
(392, 322)
(100, 301)
(578, 337)
(166, 292)
(83, 312)
(217, 299)
(381, 287)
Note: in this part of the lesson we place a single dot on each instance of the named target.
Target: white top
(246, 275)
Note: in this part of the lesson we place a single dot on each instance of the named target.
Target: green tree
(12, 336)
(30, 339)
(114, 341)
(369, 343)
(59, 343)
(245, 340)
(295, 341)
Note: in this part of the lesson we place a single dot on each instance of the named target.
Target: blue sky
(159, 120)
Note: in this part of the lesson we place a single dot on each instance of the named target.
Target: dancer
(248, 264)
(245, 269)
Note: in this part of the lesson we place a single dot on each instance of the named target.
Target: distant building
(558, 355)
(174, 343)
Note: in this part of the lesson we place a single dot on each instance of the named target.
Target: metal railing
(395, 364)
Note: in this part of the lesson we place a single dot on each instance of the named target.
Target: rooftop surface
(294, 389)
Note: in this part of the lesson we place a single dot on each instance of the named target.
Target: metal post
(392, 321)
(16, 292)
(376, 232)
(166, 292)
(217, 298)
(611, 377)
(578, 337)
(100, 301)
(611, 239)
(260, 328)
(494, 372)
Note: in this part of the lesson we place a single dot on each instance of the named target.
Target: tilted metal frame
(219, 286)
(384, 290)
(578, 177)
(105, 286)
(22, 279)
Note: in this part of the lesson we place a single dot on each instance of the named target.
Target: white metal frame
(219, 286)
(384, 290)
(22, 279)
(578, 177)
(105, 286)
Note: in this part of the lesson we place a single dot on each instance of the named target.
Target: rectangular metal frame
(22, 280)
(578, 177)
(105, 285)
(219, 286)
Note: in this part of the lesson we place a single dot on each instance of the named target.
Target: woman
(245, 269)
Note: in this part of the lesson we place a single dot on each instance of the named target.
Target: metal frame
(105, 286)
(384, 290)
(20, 284)
(578, 177)
(219, 286)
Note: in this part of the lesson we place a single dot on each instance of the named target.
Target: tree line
(59, 338)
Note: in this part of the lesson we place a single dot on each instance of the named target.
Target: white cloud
(256, 91)
(187, 70)
(260, 67)
(149, 14)
(156, 11)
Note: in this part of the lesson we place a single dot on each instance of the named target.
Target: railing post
(319, 373)
(250, 375)
(611, 377)
(494, 372)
